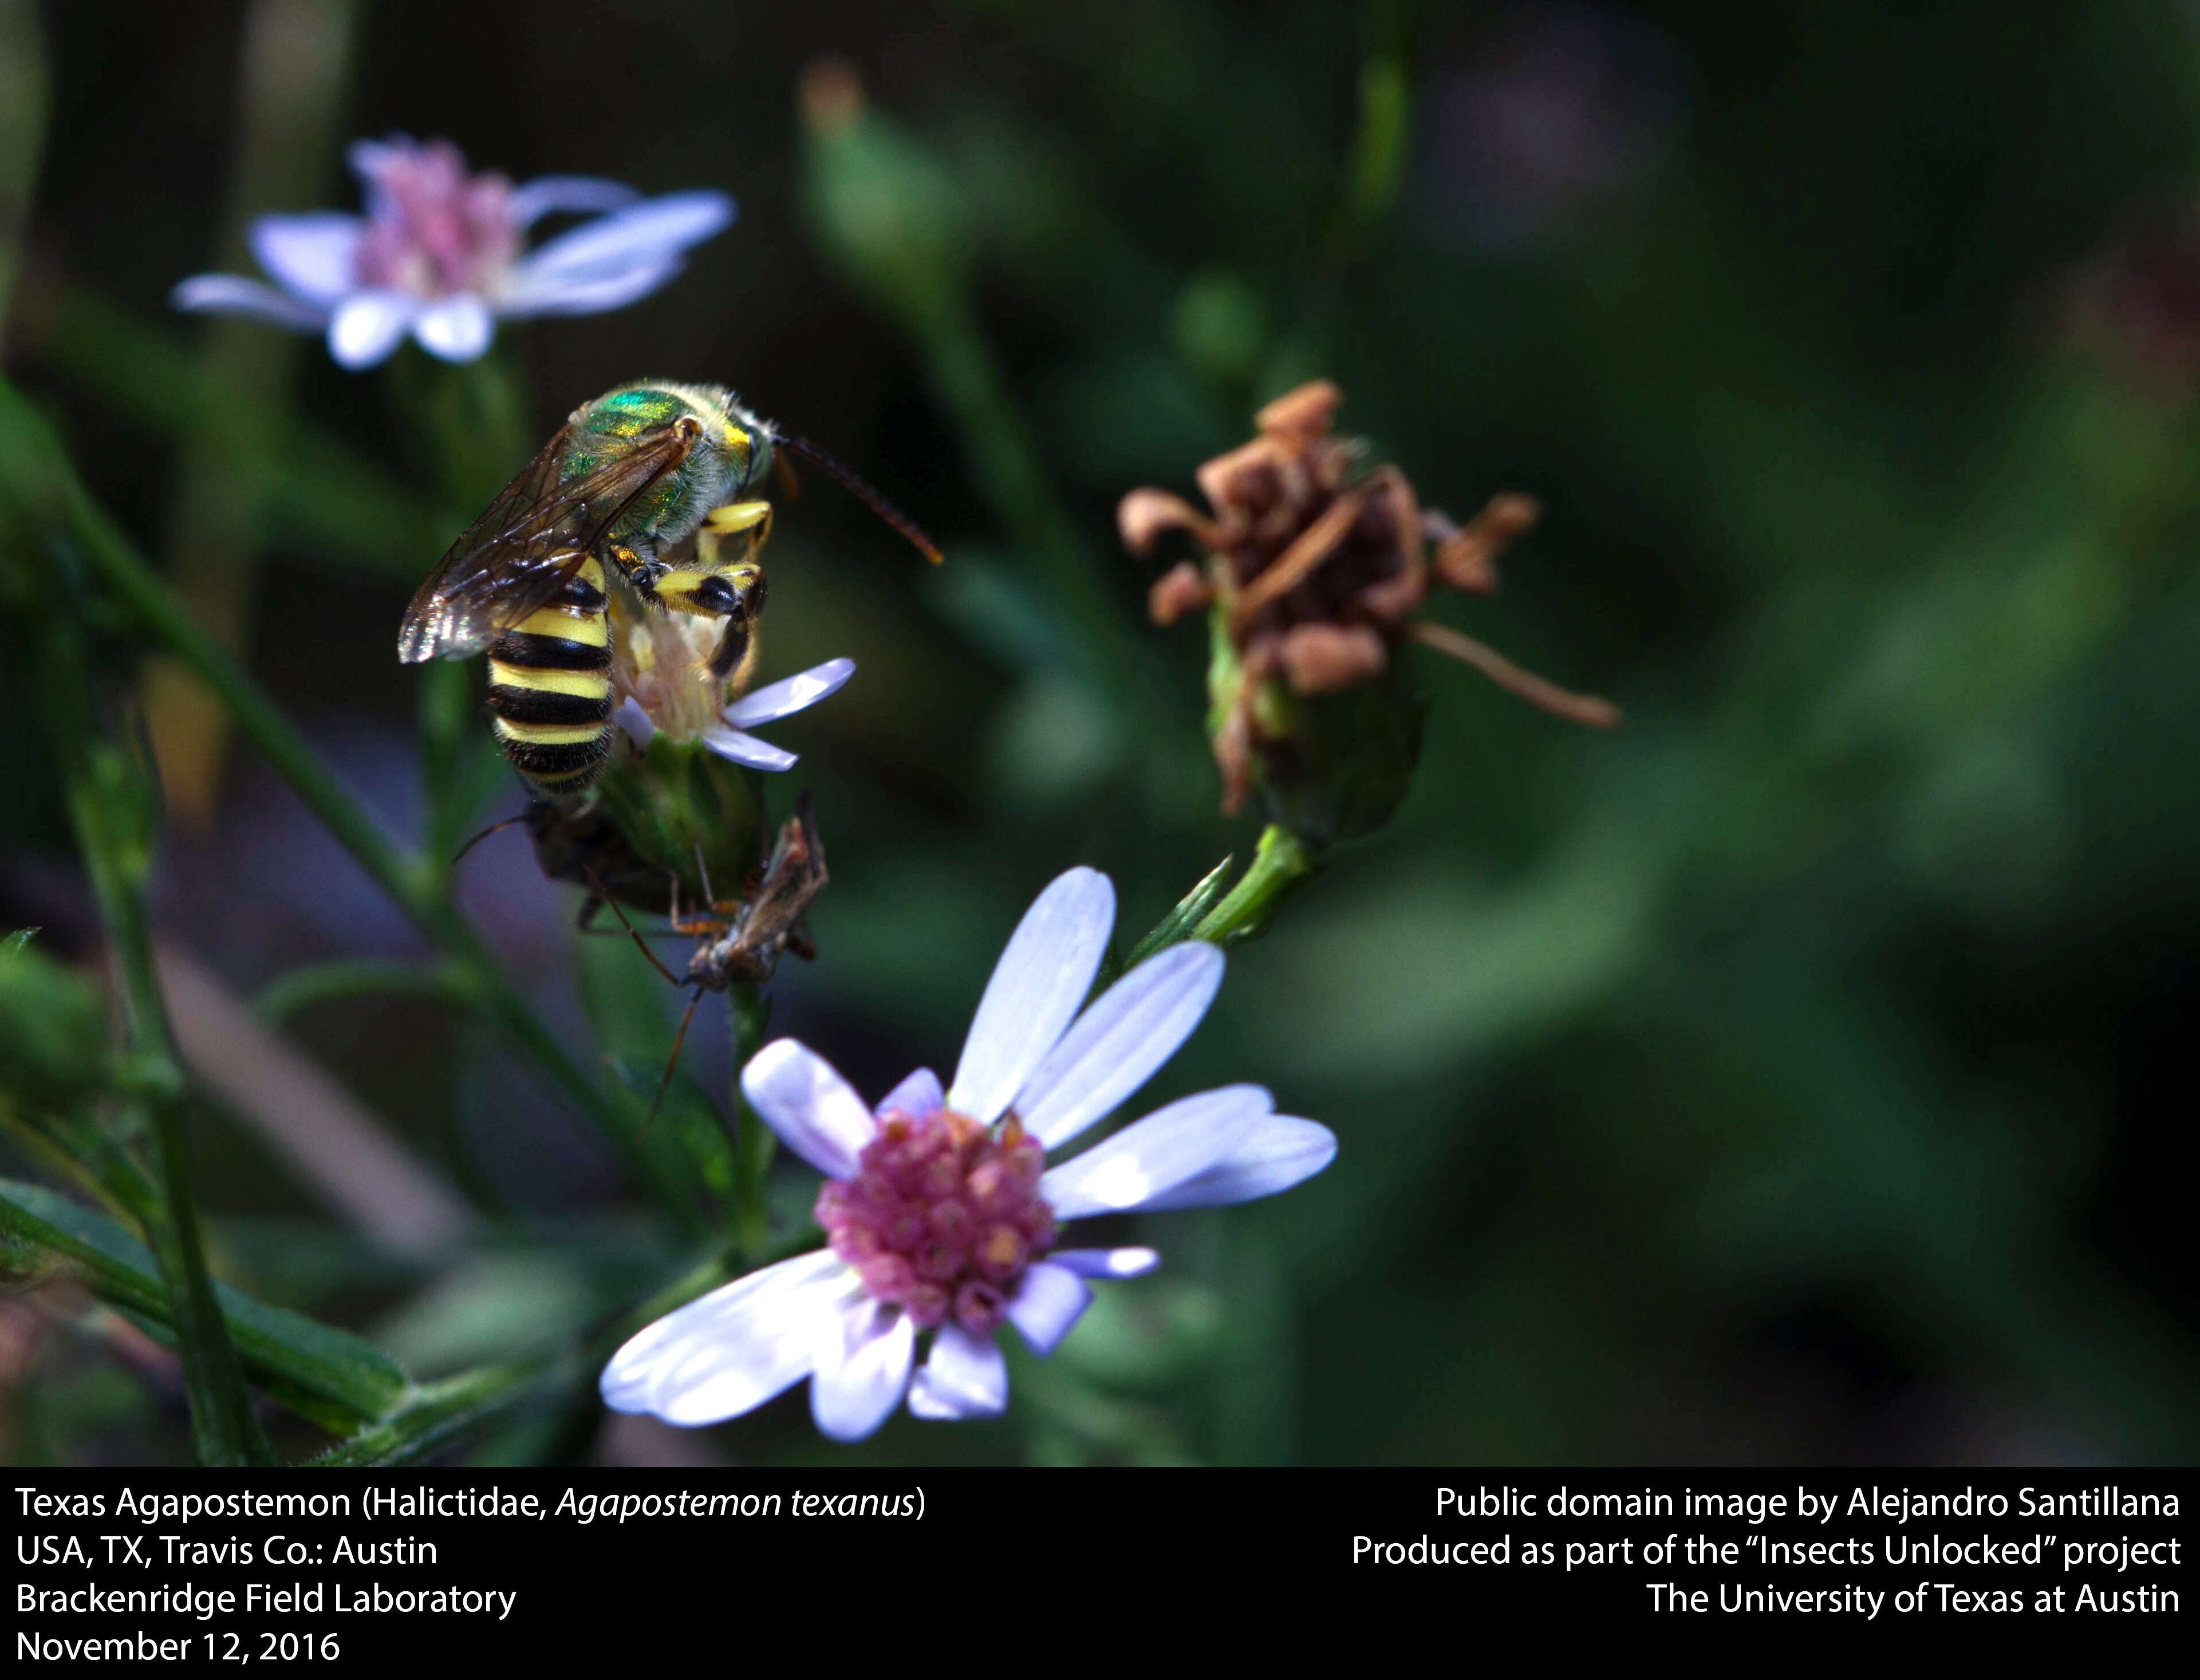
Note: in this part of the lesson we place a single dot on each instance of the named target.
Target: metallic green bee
(629, 478)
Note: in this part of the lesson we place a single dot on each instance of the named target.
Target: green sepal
(1329, 767)
(680, 800)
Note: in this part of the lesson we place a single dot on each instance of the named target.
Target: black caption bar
(167, 1567)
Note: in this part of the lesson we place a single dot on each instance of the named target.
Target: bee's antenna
(864, 493)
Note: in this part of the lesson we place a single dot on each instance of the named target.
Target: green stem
(967, 377)
(748, 1011)
(345, 977)
(110, 807)
(1283, 860)
(435, 1414)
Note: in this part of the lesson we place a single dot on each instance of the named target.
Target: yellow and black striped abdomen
(550, 688)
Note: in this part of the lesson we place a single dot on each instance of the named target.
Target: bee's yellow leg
(735, 518)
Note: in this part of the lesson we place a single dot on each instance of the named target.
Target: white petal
(862, 1369)
(649, 232)
(1037, 986)
(1105, 1263)
(815, 1112)
(965, 1377)
(234, 294)
(309, 256)
(916, 1095)
(790, 695)
(1115, 1046)
(1048, 1300)
(367, 325)
(1280, 1151)
(531, 201)
(1154, 1155)
(734, 1348)
(629, 717)
(456, 328)
(747, 749)
(527, 293)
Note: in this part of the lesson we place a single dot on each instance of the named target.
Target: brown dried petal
(1179, 592)
(1314, 545)
(1321, 658)
(1248, 481)
(1466, 558)
(1297, 418)
(1144, 514)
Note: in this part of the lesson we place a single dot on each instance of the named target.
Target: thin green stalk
(24, 98)
(747, 1013)
(1381, 143)
(110, 807)
(434, 1415)
(1281, 862)
(347, 977)
(968, 376)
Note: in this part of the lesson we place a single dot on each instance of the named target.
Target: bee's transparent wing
(533, 537)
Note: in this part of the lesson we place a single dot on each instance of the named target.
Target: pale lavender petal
(815, 1112)
(916, 1095)
(1156, 1154)
(733, 1349)
(1105, 1263)
(629, 717)
(965, 1377)
(1116, 1045)
(790, 695)
(366, 327)
(547, 195)
(1280, 1151)
(1037, 986)
(649, 232)
(527, 293)
(370, 158)
(1048, 1300)
(862, 1369)
(234, 294)
(309, 256)
(456, 328)
(747, 749)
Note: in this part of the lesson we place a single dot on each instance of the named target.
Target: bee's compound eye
(718, 595)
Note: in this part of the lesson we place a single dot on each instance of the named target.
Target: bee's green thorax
(731, 453)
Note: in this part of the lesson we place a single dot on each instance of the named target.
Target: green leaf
(333, 1378)
(53, 1025)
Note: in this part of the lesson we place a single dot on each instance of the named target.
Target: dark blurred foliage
(1800, 1074)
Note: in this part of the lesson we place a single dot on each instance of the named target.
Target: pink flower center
(432, 229)
(942, 1217)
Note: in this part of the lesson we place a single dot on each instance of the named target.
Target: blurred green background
(1795, 1075)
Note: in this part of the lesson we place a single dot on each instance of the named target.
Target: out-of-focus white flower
(661, 675)
(440, 254)
(941, 1211)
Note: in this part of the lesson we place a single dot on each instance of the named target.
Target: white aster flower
(941, 1211)
(439, 253)
(661, 675)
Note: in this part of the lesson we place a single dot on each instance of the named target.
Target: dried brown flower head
(1315, 571)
